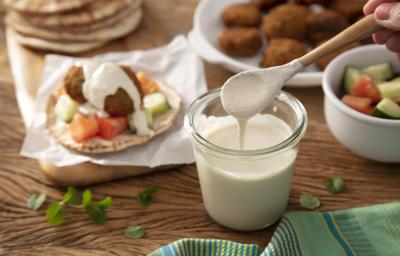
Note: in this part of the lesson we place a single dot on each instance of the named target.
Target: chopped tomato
(147, 84)
(365, 87)
(361, 104)
(83, 128)
(112, 126)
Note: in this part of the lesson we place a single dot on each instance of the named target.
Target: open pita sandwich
(135, 108)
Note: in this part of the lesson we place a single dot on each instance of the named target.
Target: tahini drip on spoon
(250, 92)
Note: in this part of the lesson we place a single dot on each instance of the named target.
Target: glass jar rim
(293, 139)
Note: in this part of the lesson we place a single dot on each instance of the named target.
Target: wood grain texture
(178, 211)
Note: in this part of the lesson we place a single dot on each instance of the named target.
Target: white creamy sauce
(102, 80)
(252, 193)
(248, 93)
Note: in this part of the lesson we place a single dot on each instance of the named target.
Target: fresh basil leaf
(35, 201)
(72, 196)
(55, 213)
(96, 214)
(146, 196)
(335, 185)
(309, 201)
(86, 198)
(105, 203)
(134, 232)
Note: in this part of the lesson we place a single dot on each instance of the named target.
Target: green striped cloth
(367, 231)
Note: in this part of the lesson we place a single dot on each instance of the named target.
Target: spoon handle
(356, 32)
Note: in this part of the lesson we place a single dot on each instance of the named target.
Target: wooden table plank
(178, 211)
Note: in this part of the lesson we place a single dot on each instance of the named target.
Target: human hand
(387, 14)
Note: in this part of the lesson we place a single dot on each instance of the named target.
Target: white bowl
(370, 137)
(204, 40)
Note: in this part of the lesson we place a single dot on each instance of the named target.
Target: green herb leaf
(87, 198)
(96, 214)
(335, 185)
(134, 232)
(55, 213)
(309, 201)
(72, 196)
(146, 196)
(35, 201)
(105, 203)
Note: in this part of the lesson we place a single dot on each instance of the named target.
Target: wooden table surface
(177, 211)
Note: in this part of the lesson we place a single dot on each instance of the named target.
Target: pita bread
(45, 6)
(56, 46)
(95, 11)
(98, 145)
(104, 34)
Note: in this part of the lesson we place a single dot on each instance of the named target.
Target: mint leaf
(86, 198)
(309, 201)
(55, 213)
(35, 201)
(134, 232)
(146, 196)
(335, 185)
(105, 203)
(96, 214)
(72, 196)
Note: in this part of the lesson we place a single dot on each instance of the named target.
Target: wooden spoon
(249, 92)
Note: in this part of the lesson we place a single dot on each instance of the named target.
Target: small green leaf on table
(335, 185)
(146, 196)
(72, 196)
(134, 232)
(86, 198)
(35, 201)
(309, 201)
(55, 213)
(105, 203)
(96, 213)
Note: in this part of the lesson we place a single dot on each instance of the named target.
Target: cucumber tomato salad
(373, 90)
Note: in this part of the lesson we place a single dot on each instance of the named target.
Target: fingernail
(382, 12)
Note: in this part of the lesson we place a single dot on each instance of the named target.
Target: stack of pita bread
(71, 26)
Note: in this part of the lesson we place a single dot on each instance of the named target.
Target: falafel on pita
(105, 107)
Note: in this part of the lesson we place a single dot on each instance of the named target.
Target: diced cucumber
(351, 76)
(149, 118)
(65, 108)
(389, 108)
(156, 103)
(379, 72)
(390, 90)
(380, 114)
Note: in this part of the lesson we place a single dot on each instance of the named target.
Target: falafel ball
(281, 51)
(267, 4)
(351, 9)
(246, 15)
(286, 20)
(324, 25)
(73, 82)
(118, 104)
(240, 41)
(323, 62)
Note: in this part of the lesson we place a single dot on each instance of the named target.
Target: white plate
(203, 38)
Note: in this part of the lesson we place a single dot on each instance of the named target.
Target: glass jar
(245, 189)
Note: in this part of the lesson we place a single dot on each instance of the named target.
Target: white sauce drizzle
(102, 80)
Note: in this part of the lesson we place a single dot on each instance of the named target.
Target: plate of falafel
(250, 34)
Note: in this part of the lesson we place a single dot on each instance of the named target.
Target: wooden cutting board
(27, 65)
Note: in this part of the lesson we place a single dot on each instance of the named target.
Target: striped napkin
(366, 231)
